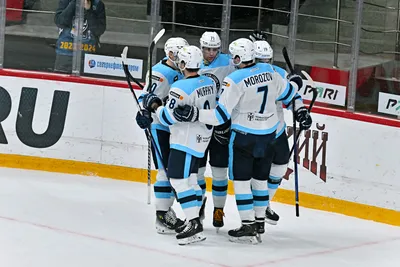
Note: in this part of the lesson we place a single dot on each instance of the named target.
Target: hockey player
(217, 66)
(164, 74)
(189, 140)
(264, 53)
(249, 99)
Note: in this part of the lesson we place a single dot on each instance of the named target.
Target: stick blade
(124, 55)
(159, 35)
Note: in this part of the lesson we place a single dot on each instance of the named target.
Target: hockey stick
(149, 136)
(296, 173)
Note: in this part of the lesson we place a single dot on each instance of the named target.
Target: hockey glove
(296, 79)
(149, 100)
(257, 36)
(222, 133)
(186, 113)
(144, 119)
(303, 117)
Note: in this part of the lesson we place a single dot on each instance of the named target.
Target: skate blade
(271, 222)
(250, 240)
(164, 230)
(192, 239)
(259, 239)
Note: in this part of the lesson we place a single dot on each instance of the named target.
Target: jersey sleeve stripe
(220, 115)
(288, 91)
(223, 112)
(297, 96)
(164, 119)
(287, 100)
(140, 99)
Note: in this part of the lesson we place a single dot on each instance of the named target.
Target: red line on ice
(322, 252)
(123, 243)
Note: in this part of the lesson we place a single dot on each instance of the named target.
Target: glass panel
(270, 17)
(378, 79)
(187, 19)
(127, 25)
(323, 49)
(31, 35)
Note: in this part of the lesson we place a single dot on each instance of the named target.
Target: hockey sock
(163, 192)
(201, 180)
(199, 193)
(186, 197)
(219, 186)
(244, 201)
(275, 178)
(260, 197)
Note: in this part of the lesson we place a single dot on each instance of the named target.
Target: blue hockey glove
(149, 100)
(144, 120)
(186, 113)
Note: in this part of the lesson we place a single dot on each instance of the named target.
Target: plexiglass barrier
(350, 47)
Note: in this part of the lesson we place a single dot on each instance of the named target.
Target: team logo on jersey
(215, 79)
(198, 138)
(176, 78)
(250, 116)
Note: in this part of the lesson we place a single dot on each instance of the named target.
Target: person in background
(94, 25)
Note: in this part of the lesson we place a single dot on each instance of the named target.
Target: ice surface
(57, 220)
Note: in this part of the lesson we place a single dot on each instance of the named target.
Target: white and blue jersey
(189, 137)
(163, 76)
(218, 69)
(249, 99)
(279, 106)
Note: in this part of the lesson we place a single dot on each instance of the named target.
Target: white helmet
(173, 45)
(191, 56)
(263, 50)
(210, 39)
(242, 48)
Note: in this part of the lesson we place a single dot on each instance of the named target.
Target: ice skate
(167, 222)
(192, 233)
(246, 234)
(271, 217)
(260, 224)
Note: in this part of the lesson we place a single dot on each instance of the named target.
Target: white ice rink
(56, 220)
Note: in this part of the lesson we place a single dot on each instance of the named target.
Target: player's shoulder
(205, 80)
(282, 72)
(223, 60)
(188, 85)
(241, 74)
(161, 69)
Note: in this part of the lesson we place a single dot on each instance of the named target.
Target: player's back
(192, 137)
(218, 69)
(259, 87)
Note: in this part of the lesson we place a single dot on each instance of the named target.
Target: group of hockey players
(203, 103)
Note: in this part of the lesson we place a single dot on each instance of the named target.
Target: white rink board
(362, 164)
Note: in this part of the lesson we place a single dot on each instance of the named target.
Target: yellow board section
(353, 209)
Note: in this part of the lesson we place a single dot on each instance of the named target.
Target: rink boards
(348, 162)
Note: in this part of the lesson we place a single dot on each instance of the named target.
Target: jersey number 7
(263, 89)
